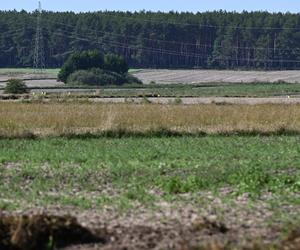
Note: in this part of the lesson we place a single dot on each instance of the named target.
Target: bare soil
(182, 224)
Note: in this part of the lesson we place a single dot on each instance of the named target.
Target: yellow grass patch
(42, 119)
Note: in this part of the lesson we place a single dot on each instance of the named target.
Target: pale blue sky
(155, 5)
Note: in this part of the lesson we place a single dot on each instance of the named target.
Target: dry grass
(56, 119)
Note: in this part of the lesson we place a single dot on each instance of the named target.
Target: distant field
(45, 78)
(208, 90)
(164, 76)
(206, 76)
(17, 71)
(174, 83)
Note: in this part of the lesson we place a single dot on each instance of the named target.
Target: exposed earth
(210, 223)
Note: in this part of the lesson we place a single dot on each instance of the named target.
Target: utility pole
(39, 56)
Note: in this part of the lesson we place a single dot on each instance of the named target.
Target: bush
(92, 59)
(115, 63)
(81, 61)
(16, 86)
(99, 77)
(132, 79)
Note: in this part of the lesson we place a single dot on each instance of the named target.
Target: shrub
(99, 77)
(115, 63)
(15, 86)
(87, 60)
(81, 61)
(177, 100)
(132, 79)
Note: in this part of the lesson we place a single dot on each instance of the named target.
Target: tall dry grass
(42, 119)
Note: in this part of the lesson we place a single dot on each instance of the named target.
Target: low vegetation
(131, 166)
(73, 118)
(16, 86)
(140, 174)
(232, 190)
(99, 77)
(175, 90)
(92, 68)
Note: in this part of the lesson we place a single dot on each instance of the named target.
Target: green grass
(215, 90)
(232, 90)
(207, 90)
(77, 171)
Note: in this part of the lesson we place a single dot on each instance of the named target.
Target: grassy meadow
(53, 171)
(206, 90)
(74, 118)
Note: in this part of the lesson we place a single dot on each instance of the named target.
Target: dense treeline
(146, 39)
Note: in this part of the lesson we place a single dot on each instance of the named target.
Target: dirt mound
(43, 232)
(32, 232)
(172, 235)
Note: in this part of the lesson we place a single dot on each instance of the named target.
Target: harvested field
(161, 76)
(71, 118)
(209, 76)
(32, 79)
(35, 83)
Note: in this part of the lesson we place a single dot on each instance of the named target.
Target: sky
(155, 5)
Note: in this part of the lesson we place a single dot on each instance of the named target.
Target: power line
(197, 45)
(168, 52)
(39, 57)
(182, 43)
(153, 50)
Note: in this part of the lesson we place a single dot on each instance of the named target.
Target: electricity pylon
(39, 56)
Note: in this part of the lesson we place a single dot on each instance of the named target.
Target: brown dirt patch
(293, 241)
(213, 226)
(43, 232)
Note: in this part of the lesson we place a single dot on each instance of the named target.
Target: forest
(210, 40)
